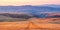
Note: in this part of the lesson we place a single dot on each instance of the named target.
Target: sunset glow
(28, 2)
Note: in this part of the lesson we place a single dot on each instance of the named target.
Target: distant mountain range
(30, 8)
(36, 11)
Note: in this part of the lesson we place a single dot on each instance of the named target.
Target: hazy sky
(28, 2)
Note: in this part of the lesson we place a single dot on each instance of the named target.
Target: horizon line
(30, 5)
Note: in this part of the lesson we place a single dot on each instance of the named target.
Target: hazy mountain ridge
(35, 11)
(30, 8)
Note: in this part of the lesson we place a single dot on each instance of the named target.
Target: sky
(27, 2)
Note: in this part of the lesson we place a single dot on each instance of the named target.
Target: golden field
(32, 24)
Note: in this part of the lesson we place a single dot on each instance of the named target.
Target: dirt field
(38, 24)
